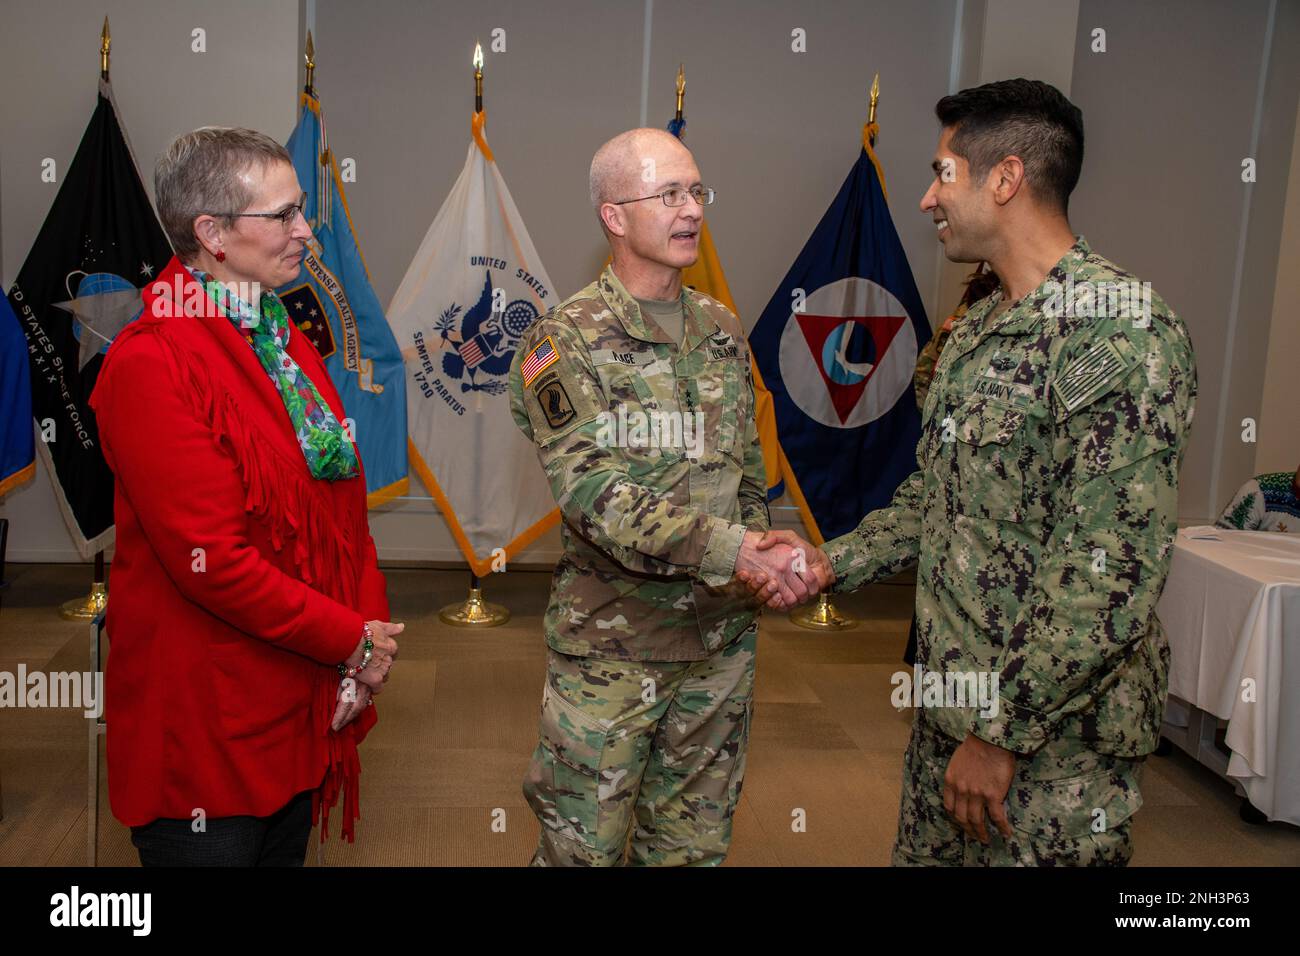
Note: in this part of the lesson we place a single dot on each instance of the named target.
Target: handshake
(781, 569)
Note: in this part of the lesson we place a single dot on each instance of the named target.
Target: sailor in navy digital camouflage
(1041, 522)
(644, 426)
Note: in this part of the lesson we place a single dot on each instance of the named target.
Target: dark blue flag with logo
(837, 346)
(78, 288)
(17, 448)
(334, 304)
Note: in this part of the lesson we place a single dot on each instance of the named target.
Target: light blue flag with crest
(333, 303)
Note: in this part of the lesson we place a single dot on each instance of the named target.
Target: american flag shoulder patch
(1089, 375)
(542, 357)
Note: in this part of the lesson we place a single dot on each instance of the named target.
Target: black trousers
(277, 840)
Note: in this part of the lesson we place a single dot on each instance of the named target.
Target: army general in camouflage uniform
(638, 396)
(1043, 516)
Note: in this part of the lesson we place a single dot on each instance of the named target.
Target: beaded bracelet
(367, 651)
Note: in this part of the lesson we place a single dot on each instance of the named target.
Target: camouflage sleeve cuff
(840, 552)
(756, 517)
(852, 563)
(719, 564)
(1015, 728)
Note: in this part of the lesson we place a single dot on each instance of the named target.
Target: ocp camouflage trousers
(659, 743)
(1067, 806)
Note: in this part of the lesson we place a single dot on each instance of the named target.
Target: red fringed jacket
(239, 581)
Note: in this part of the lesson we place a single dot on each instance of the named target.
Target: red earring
(221, 255)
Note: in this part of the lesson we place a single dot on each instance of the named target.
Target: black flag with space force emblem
(80, 285)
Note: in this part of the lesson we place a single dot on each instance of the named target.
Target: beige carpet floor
(458, 723)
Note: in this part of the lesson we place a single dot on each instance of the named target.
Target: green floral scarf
(329, 452)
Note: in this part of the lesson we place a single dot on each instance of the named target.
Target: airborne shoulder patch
(555, 403)
(1090, 375)
(542, 357)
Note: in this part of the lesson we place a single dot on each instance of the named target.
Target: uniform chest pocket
(727, 404)
(987, 478)
(642, 425)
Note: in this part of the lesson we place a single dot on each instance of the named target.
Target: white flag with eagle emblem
(473, 288)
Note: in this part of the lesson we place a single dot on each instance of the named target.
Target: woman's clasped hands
(366, 677)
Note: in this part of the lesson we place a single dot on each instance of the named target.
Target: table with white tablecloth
(1231, 609)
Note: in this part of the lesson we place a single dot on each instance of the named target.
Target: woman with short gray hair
(248, 617)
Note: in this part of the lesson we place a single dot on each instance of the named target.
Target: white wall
(1279, 416)
(1182, 94)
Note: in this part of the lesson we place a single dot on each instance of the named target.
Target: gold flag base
(85, 609)
(474, 612)
(821, 616)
